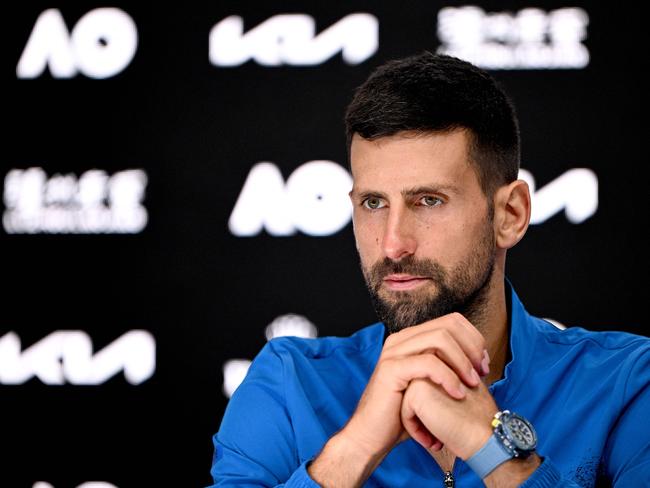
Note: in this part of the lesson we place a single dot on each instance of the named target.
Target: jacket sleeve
(548, 476)
(626, 458)
(627, 453)
(255, 446)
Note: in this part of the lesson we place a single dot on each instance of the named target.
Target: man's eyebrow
(407, 192)
(419, 190)
(355, 192)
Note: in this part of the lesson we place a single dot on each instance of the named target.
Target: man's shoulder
(618, 361)
(363, 339)
(607, 340)
(560, 338)
(600, 351)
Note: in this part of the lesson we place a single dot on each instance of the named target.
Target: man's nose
(399, 239)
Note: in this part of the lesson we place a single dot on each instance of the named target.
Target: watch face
(521, 433)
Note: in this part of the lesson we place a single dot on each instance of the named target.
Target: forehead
(407, 159)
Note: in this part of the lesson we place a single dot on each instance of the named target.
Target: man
(467, 389)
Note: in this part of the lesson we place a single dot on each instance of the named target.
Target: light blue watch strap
(488, 457)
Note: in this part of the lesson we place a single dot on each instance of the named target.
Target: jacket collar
(523, 341)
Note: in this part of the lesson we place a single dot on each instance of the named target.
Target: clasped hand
(427, 385)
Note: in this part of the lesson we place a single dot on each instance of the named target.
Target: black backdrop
(205, 295)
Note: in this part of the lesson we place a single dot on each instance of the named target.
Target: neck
(493, 324)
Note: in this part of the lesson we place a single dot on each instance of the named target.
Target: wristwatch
(512, 437)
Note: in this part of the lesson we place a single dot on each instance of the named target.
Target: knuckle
(458, 317)
(454, 319)
(443, 335)
(390, 340)
(411, 398)
(432, 361)
(480, 344)
(417, 387)
(385, 364)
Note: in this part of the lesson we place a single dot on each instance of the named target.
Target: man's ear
(511, 213)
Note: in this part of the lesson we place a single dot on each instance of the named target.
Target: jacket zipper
(449, 482)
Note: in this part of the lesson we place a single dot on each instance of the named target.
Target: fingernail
(485, 364)
(462, 390)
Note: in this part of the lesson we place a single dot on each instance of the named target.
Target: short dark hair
(438, 93)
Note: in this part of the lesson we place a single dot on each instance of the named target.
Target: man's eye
(373, 203)
(429, 201)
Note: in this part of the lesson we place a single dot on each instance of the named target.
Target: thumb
(416, 429)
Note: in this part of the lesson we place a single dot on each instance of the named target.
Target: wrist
(513, 439)
(344, 461)
(476, 441)
(353, 441)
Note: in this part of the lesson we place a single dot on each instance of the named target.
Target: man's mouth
(400, 282)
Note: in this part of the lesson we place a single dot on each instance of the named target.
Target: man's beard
(463, 289)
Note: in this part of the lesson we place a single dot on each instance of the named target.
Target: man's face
(423, 227)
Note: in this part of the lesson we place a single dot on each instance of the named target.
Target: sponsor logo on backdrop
(575, 192)
(67, 357)
(66, 204)
(527, 39)
(234, 370)
(314, 199)
(291, 39)
(87, 484)
(101, 44)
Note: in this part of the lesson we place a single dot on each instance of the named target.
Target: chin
(422, 294)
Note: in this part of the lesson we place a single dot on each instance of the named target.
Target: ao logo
(291, 39)
(314, 200)
(101, 44)
(67, 356)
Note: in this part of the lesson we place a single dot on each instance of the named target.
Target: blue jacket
(586, 393)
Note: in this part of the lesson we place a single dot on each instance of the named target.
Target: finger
(443, 344)
(455, 318)
(403, 370)
(436, 446)
(465, 334)
(415, 428)
(419, 432)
